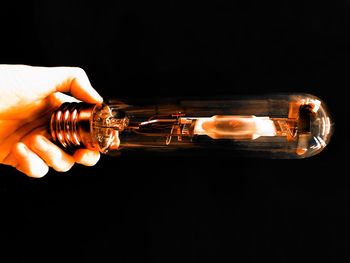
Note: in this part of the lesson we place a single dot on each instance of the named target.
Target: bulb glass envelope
(273, 126)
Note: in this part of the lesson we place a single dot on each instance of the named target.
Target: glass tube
(269, 126)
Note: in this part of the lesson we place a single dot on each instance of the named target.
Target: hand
(28, 96)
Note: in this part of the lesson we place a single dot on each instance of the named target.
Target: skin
(28, 96)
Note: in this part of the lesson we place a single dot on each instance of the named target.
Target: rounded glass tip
(315, 125)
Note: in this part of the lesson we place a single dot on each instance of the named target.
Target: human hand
(28, 96)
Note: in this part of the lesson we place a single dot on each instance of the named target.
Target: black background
(161, 208)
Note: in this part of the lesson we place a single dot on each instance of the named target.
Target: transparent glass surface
(272, 126)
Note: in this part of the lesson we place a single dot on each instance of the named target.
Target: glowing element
(278, 126)
(234, 127)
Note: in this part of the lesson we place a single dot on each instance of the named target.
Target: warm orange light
(235, 127)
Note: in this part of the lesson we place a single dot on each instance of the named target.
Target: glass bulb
(275, 126)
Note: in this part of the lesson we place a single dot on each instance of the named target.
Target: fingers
(27, 162)
(41, 154)
(86, 157)
(59, 160)
(51, 154)
(78, 85)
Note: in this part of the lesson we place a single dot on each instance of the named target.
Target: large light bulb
(276, 126)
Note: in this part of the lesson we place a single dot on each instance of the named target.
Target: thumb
(75, 81)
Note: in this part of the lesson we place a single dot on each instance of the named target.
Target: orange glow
(301, 151)
(235, 127)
